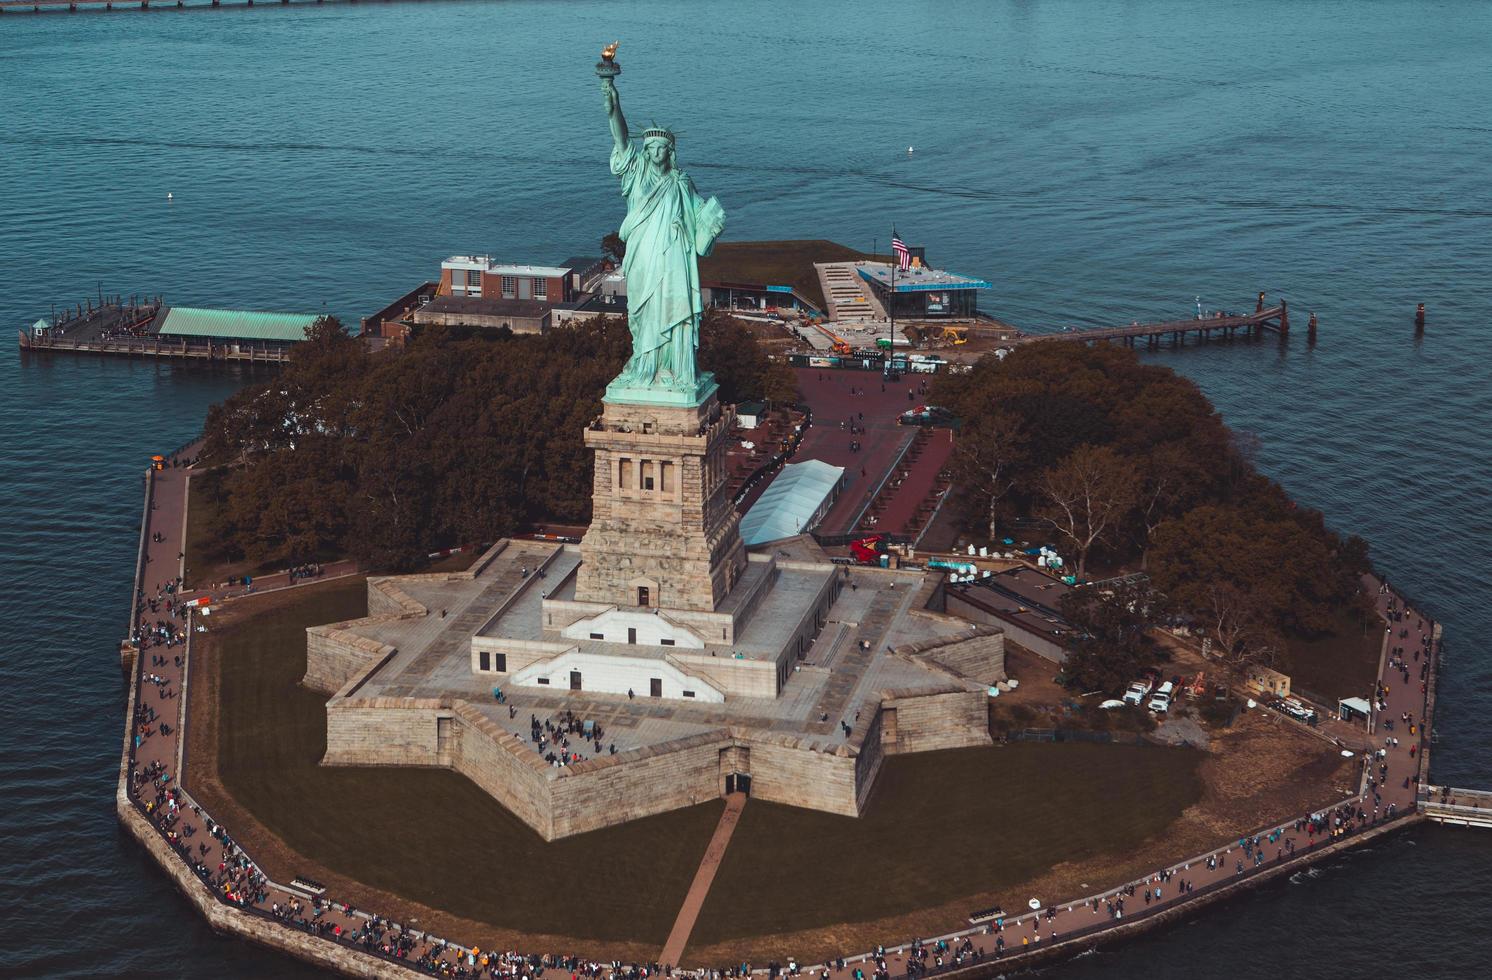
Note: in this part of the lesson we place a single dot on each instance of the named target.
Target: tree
(1238, 626)
(1088, 492)
(613, 248)
(986, 461)
(460, 438)
(742, 368)
(1289, 575)
(1172, 477)
(1111, 642)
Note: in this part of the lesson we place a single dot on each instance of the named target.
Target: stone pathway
(678, 936)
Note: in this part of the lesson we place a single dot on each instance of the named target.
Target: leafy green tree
(742, 368)
(462, 437)
(613, 248)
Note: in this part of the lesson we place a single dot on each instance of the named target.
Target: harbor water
(1098, 163)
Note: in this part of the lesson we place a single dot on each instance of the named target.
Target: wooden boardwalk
(104, 6)
(1274, 318)
(154, 347)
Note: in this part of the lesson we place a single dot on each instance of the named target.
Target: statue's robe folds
(663, 235)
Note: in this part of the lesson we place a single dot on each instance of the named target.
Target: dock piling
(1311, 329)
(1419, 317)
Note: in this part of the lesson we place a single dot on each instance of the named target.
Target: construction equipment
(839, 344)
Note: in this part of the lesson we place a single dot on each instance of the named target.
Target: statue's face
(657, 151)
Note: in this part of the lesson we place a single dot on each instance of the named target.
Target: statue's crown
(658, 132)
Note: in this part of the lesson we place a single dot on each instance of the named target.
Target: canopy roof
(186, 321)
(792, 503)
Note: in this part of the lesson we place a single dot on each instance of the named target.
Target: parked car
(1296, 710)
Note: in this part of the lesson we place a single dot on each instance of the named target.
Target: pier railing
(154, 346)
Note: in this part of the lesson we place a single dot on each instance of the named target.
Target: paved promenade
(162, 680)
(154, 745)
(840, 399)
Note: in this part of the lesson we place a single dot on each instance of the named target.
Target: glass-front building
(922, 293)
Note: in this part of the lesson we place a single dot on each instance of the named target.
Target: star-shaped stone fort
(658, 664)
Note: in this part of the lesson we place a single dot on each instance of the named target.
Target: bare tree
(1090, 491)
(987, 459)
(1238, 625)
(1169, 478)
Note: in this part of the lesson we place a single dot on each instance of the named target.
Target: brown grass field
(944, 833)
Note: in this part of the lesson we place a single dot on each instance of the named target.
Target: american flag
(903, 257)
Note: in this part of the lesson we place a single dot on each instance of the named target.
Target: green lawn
(939, 826)
(427, 834)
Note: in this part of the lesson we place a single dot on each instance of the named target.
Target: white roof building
(793, 503)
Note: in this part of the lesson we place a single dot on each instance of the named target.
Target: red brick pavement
(918, 485)
(837, 396)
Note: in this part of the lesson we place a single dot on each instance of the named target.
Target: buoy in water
(909, 151)
(169, 196)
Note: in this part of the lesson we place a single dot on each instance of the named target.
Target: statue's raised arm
(607, 69)
(614, 114)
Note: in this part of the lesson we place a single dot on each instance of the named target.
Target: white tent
(793, 503)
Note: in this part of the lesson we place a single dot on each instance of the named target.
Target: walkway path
(678, 936)
(836, 397)
(154, 749)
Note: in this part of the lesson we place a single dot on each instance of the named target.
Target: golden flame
(609, 51)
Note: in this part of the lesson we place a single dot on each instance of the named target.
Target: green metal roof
(185, 321)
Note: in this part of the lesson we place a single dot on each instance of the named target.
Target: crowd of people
(560, 739)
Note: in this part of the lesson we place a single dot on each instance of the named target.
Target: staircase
(847, 296)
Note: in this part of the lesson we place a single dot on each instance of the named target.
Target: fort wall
(784, 770)
(929, 722)
(384, 732)
(615, 789)
(335, 656)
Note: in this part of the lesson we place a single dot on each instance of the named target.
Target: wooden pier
(132, 327)
(105, 6)
(1275, 319)
(158, 347)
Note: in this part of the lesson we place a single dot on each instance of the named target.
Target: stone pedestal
(663, 532)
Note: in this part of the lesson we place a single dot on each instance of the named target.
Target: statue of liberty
(668, 225)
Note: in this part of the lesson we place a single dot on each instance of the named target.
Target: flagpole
(891, 305)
